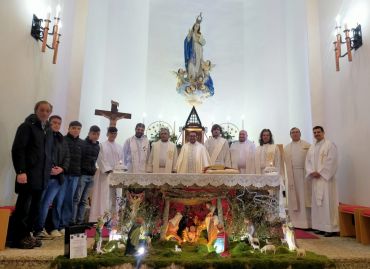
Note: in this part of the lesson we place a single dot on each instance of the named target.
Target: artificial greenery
(162, 254)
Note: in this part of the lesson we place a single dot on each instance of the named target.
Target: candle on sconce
(56, 49)
(174, 127)
(56, 27)
(348, 43)
(55, 34)
(46, 29)
(336, 55)
(242, 124)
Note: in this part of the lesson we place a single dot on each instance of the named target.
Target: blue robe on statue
(188, 51)
(209, 83)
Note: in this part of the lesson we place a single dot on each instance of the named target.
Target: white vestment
(242, 156)
(218, 150)
(267, 155)
(162, 158)
(109, 157)
(322, 157)
(299, 189)
(192, 158)
(135, 154)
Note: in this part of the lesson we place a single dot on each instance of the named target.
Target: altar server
(110, 156)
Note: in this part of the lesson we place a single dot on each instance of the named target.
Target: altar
(247, 196)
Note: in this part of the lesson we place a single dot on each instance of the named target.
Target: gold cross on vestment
(322, 155)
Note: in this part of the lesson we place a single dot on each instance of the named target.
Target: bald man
(242, 154)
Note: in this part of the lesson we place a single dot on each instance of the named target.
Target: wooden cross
(113, 115)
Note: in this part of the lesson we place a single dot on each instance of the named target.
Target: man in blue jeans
(68, 189)
(90, 152)
(60, 163)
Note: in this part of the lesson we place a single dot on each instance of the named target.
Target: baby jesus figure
(135, 201)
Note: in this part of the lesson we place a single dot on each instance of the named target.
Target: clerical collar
(320, 142)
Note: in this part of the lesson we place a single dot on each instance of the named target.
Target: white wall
(344, 95)
(259, 48)
(27, 75)
(125, 50)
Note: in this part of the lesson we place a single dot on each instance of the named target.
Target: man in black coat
(31, 154)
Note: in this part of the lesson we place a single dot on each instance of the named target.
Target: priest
(267, 159)
(136, 151)
(321, 166)
(242, 154)
(193, 157)
(299, 189)
(110, 156)
(163, 156)
(267, 154)
(218, 147)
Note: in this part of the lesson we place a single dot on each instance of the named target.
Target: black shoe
(37, 242)
(319, 232)
(25, 243)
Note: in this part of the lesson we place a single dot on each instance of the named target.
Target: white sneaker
(62, 231)
(42, 234)
(55, 233)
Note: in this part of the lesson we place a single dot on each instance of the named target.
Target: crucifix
(113, 115)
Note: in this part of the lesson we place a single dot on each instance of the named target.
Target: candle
(55, 27)
(336, 56)
(242, 124)
(174, 127)
(55, 35)
(56, 50)
(348, 43)
(339, 43)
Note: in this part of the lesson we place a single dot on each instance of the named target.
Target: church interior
(276, 64)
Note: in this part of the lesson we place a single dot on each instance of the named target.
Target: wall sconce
(41, 33)
(353, 42)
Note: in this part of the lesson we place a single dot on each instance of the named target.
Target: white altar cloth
(120, 178)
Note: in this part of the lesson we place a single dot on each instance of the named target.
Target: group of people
(51, 169)
(63, 170)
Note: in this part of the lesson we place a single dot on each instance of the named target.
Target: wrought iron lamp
(41, 33)
(352, 42)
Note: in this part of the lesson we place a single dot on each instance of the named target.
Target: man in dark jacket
(60, 163)
(31, 154)
(90, 152)
(65, 196)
